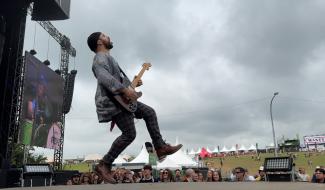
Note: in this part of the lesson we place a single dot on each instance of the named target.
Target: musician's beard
(108, 45)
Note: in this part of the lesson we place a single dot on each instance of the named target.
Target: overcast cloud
(216, 65)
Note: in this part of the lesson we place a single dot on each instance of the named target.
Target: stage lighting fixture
(279, 169)
(37, 169)
(37, 175)
(277, 164)
(33, 52)
(47, 62)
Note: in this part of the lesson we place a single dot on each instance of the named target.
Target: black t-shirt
(150, 180)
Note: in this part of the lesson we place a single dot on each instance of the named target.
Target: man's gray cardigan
(109, 80)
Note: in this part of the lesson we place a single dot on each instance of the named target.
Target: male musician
(110, 81)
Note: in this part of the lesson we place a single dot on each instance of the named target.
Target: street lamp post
(274, 140)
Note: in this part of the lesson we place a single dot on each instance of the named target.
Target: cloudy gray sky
(216, 65)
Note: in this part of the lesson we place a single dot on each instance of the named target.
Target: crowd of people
(146, 175)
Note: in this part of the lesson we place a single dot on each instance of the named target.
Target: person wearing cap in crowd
(111, 80)
(261, 176)
(147, 175)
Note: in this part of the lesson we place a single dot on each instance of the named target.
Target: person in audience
(140, 174)
(147, 175)
(216, 176)
(85, 179)
(209, 176)
(195, 177)
(95, 179)
(242, 175)
(261, 174)
(75, 179)
(178, 175)
(128, 178)
(136, 177)
(161, 173)
(201, 177)
(188, 175)
(319, 176)
(167, 176)
(69, 182)
(302, 176)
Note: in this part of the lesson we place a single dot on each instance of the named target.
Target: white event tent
(143, 156)
(224, 149)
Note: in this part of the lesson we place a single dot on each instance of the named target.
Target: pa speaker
(51, 10)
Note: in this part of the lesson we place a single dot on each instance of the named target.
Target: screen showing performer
(42, 105)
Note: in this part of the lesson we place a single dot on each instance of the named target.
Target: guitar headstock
(146, 65)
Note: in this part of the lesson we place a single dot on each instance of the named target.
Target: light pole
(274, 141)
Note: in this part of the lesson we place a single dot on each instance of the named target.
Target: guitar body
(126, 103)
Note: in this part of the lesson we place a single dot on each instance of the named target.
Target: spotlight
(279, 169)
(58, 71)
(33, 52)
(47, 62)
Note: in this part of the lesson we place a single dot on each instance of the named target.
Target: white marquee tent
(224, 149)
(143, 156)
(242, 148)
(215, 150)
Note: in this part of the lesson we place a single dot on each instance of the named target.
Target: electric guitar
(131, 105)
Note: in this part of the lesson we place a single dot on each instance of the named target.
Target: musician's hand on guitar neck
(139, 82)
(130, 94)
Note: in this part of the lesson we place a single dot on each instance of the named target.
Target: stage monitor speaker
(51, 10)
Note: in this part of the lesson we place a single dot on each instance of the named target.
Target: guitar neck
(136, 80)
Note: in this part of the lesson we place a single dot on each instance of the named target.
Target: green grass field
(231, 162)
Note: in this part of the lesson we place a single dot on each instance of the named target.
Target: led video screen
(42, 105)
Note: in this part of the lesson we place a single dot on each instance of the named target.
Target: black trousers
(125, 122)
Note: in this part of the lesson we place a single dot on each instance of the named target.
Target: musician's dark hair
(92, 41)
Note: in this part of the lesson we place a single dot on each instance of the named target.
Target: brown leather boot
(104, 171)
(167, 149)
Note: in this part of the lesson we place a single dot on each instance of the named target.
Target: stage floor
(192, 186)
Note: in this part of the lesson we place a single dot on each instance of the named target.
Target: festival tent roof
(233, 149)
(209, 151)
(168, 163)
(181, 159)
(198, 151)
(242, 148)
(252, 147)
(192, 152)
(119, 160)
(93, 157)
(143, 156)
(224, 149)
(215, 150)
